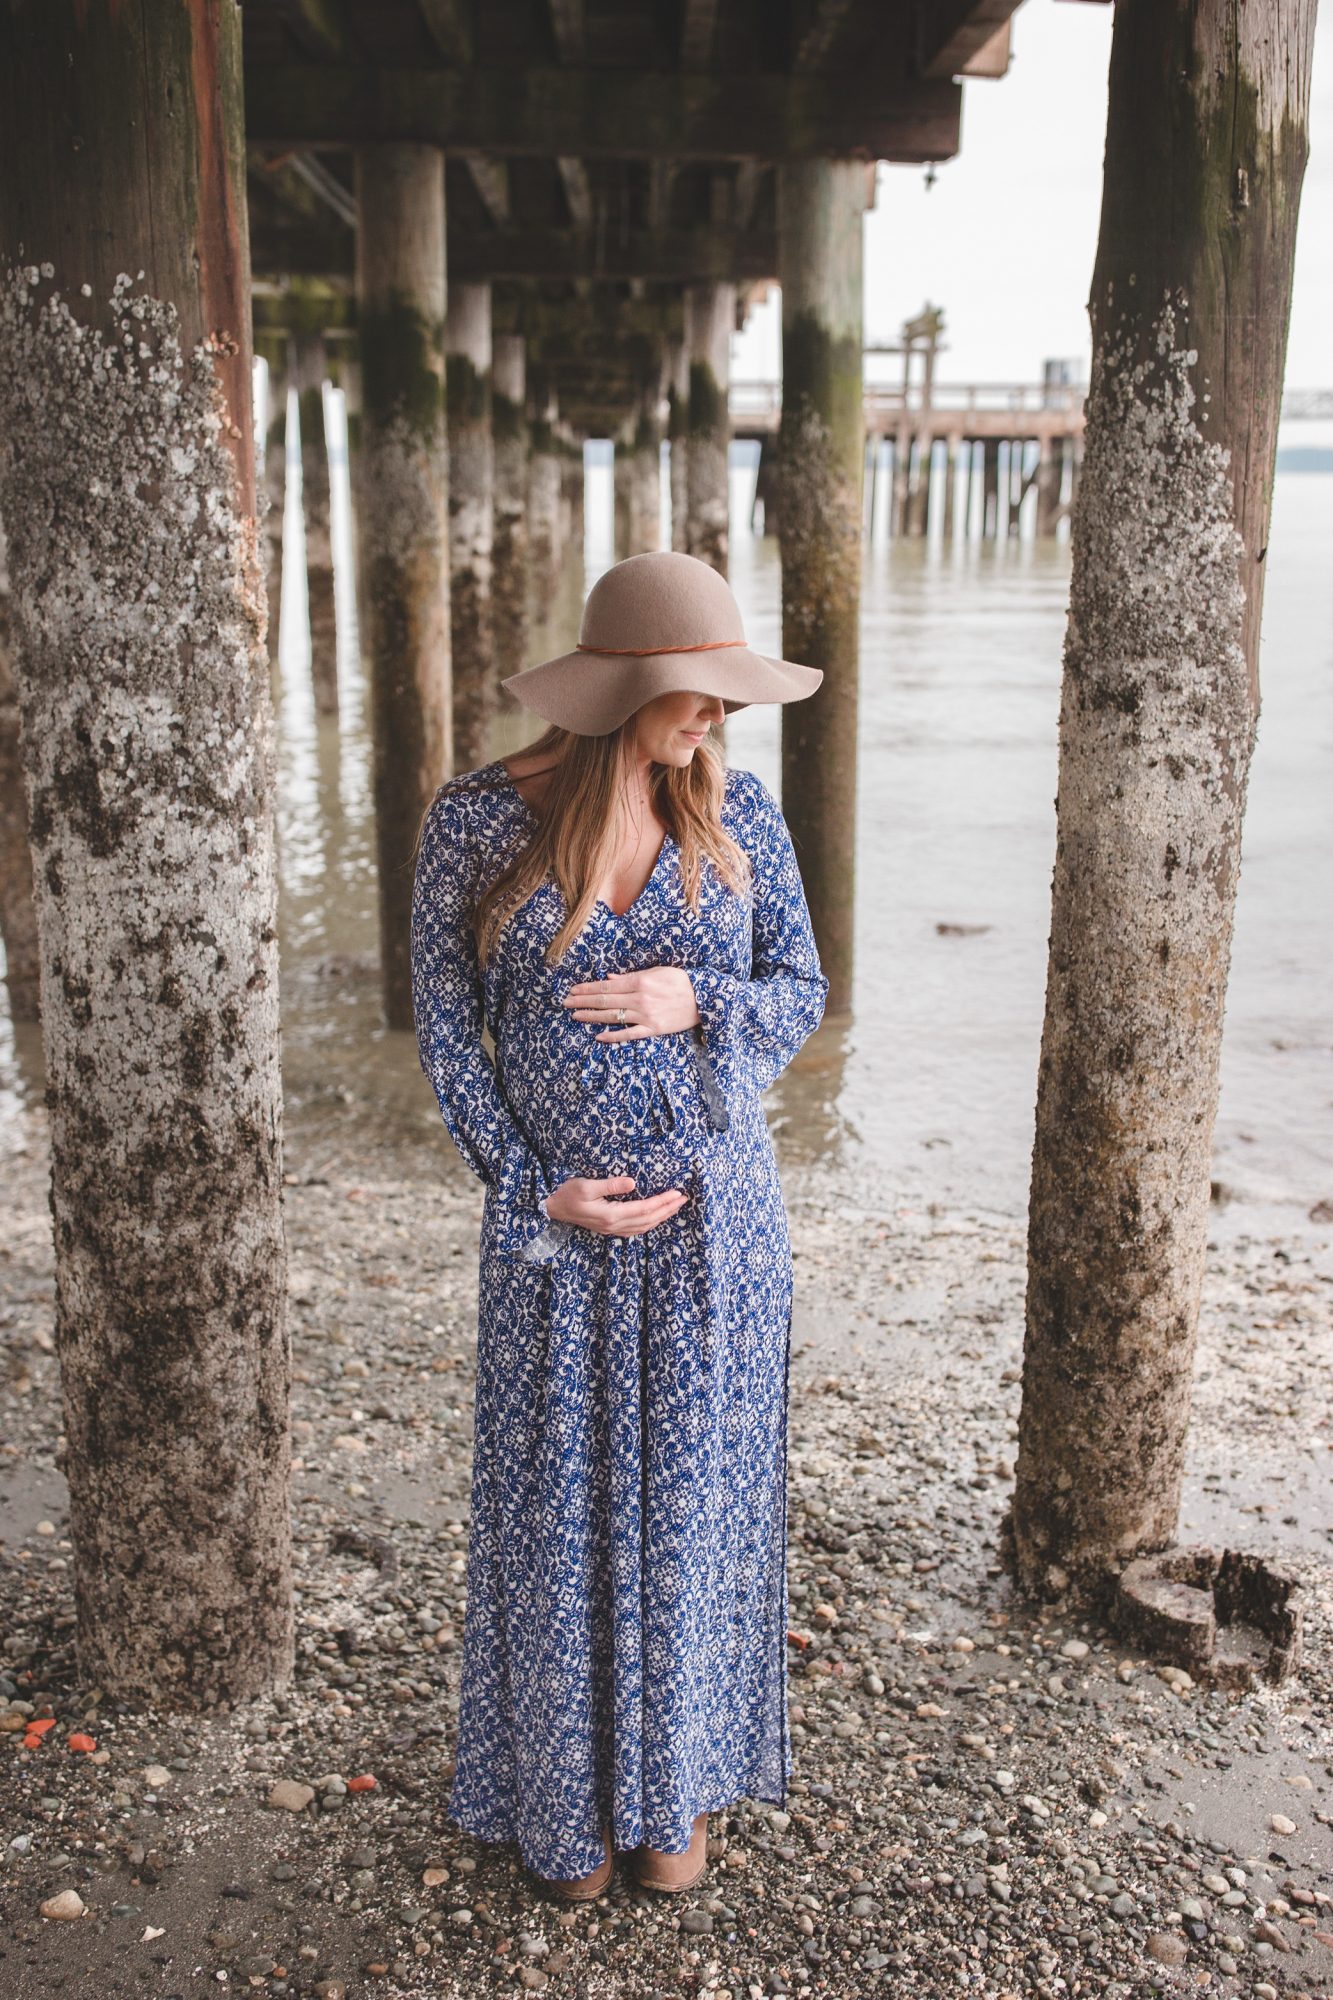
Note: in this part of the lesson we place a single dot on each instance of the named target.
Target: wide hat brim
(591, 693)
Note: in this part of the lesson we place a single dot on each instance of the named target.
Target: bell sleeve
(761, 1022)
(448, 1009)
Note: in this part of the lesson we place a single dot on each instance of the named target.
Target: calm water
(931, 1088)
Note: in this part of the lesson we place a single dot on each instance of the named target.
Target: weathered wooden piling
(274, 347)
(990, 487)
(710, 315)
(18, 910)
(509, 578)
(678, 432)
(127, 484)
(309, 368)
(471, 520)
(645, 525)
(768, 486)
(1205, 154)
(622, 499)
(821, 204)
(1050, 477)
(403, 518)
(543, 495)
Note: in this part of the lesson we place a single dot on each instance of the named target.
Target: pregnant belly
(596, 1108)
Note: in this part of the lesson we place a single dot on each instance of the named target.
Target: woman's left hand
(657, 1001)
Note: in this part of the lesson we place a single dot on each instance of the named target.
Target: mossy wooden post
(309, 368)
(509, 426)
(710, 315)
(467, 339)
(821, 204)
(1205, 153)
(18, 911)
(543, 495)
(678, 430)
(403, 518)
(127, 485)
(1050, 473)
(274, 346)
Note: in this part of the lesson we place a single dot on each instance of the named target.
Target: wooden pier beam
(403, 519)
(1205, 154)
(309, 368)
(509, 427)
(467, 336)
(127, 484)
(710, 315)
(821, 206)
(990, 488)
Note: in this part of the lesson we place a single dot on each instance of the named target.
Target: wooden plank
(669, 256)
(593, 114)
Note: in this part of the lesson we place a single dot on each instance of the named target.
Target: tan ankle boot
(674, 1872)
(584, 1888)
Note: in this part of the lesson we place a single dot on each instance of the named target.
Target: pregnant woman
(625, 915)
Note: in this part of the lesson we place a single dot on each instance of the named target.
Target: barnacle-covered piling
(1205, 155)
(127, 484)
(822, 459)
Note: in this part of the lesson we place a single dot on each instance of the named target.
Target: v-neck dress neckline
(617, 916)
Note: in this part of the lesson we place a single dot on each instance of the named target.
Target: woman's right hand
(587, 1203)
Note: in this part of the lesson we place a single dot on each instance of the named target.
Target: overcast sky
(1006, 237)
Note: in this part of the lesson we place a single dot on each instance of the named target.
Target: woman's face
(669, 728)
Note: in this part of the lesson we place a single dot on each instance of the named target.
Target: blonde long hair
(579, 829)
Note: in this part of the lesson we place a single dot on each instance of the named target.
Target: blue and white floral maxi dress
(624, 1636)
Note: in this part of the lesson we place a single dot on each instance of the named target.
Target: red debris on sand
(365, 1784)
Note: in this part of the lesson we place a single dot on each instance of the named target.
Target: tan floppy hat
(655, 624)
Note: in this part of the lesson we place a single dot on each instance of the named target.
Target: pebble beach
(987, 1798)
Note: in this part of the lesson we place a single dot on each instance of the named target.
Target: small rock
(156, 1775)
(68, 1903)
(289, 1796)
(1074, 1649)
(698, 1923)
(1167, 1950)
(1281, 1824)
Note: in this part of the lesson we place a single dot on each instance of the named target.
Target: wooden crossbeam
(578, 189)
(491, 180)
(816, 43)
(668, 256)
(594, 114)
